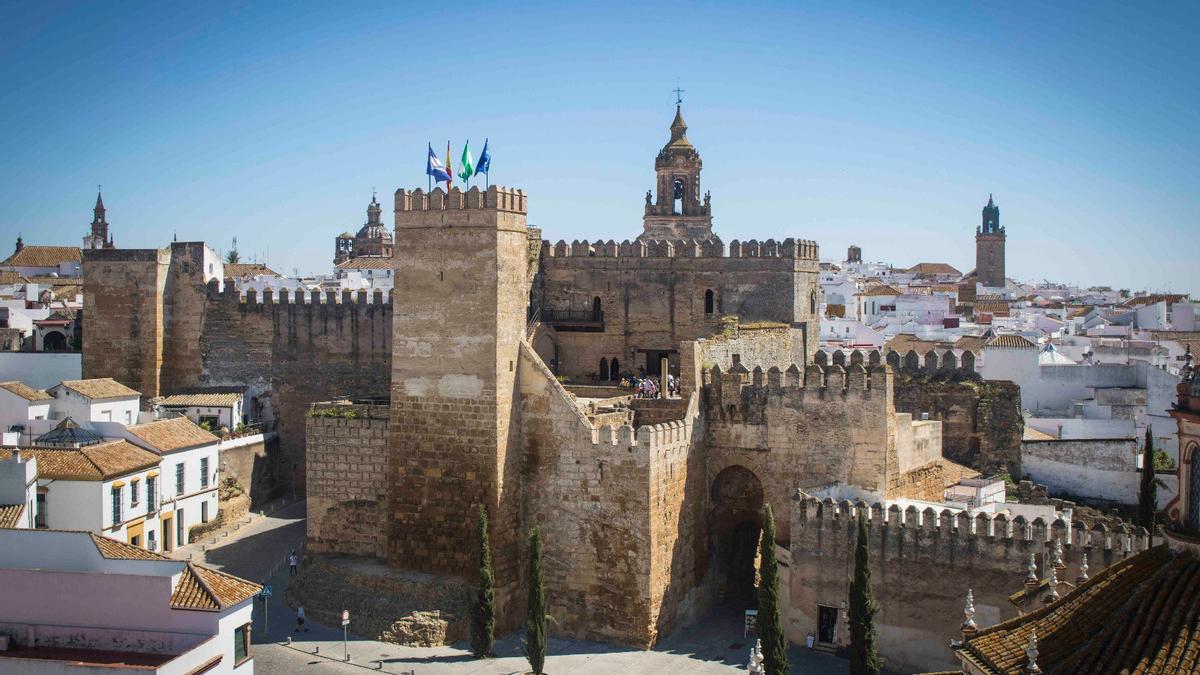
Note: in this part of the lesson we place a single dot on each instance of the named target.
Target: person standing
(293, 561)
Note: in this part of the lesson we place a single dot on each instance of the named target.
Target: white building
(219, 409)
(44, 261)
(75, 602)
(20, 403)
(190, 461)
(18, 492)
(110, 488)
(96, 400)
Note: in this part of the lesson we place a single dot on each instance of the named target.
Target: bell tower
(677, 210)
(989, 248)
(99, 237)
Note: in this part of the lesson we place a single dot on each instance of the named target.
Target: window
(133, 495)
(116, 505)
(241, 644)
(40, 521)
(708, 301)
(128, 417)
(179, 478)
(150, 505)
(203, 473)
(204, 511)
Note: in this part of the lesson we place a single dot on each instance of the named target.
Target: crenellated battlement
(748, 389)
(890, 523)
(495, 198)
(802, 249)
(300, 297)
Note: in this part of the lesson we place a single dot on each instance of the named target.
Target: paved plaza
(258, 551)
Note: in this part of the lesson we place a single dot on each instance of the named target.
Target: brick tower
(989, 248)
(677, 212)
(460, 299)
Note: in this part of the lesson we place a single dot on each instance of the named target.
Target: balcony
(573, 320)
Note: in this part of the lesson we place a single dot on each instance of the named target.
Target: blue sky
(884, 125)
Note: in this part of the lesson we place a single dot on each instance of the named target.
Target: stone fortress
(486, 377)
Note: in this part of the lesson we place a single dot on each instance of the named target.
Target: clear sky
(884, 125)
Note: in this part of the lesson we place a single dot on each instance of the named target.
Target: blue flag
(485, 160)
(434, 168)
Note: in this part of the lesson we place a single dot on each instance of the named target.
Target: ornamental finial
(969, 613)
(1083, 568)
(1031, 654)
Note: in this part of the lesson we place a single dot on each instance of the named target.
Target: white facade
(18, 485)
(17, 411)
(69, 403)
(61, 591)
(197, 502)
(88, 505)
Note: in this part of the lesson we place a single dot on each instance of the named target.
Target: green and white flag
(468, 166)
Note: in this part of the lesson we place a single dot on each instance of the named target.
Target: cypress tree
(770, 625)
(1148, 493)
(864, 656)
(535, 615)
(483, 609)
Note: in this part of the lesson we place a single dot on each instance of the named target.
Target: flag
(485, 160)
(467, 169)
(434, 168)
(449, 168)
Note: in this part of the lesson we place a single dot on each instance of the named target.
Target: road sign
(345, 617)
(266, 591)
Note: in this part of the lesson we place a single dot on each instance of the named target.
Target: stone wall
(250, 462)
(922, 563)
(755, 345)
(123, 316)
(347, 478)
(1084, 469)
(830, 427)
(981, 420)
(654, 298)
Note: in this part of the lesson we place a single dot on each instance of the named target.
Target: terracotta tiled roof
(991, 306)
(243, 270)
(44, 256)
(906, 342)
(119, 550)
(92, 462)
(176, 433)
(1011, 342)
(1168, 298)
(880, 290)
(933, 268)
(99, 388)
(971, 343)
(207, 589)
(1137, 616)
(224, 399)
(366, 263)
(10, 514)
(25, 391)
(10, 277)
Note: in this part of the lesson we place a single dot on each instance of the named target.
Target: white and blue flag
(434, 168)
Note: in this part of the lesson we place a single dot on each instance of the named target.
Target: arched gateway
(735, 523)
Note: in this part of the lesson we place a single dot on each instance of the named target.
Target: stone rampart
(347, 478)
(981, 420)
(922, 564)
(803, 249)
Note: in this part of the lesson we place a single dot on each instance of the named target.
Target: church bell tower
(677, 211)
(99, 237)
(989, 248)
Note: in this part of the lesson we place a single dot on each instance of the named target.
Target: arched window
(614, 370)
(812, 303)
(1193, 516)
(603, 374)
(708, 301)
(596, 307)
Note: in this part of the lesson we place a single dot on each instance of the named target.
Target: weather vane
(678, 94)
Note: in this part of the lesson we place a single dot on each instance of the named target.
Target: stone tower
(676, 210)
(99, 238)
(989, 248)
(461, 293)
(853, 254)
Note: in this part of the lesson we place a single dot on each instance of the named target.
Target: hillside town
(681, 420)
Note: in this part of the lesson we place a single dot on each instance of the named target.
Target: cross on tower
(678, 92)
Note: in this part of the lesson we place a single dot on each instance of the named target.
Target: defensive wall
(649, 296)
(156, 325)
(922, 564)
(821, 427)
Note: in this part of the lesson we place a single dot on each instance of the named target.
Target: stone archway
(735, 524)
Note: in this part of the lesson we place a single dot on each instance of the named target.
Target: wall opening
(603, 373)
(735, 528)
(708, 301)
